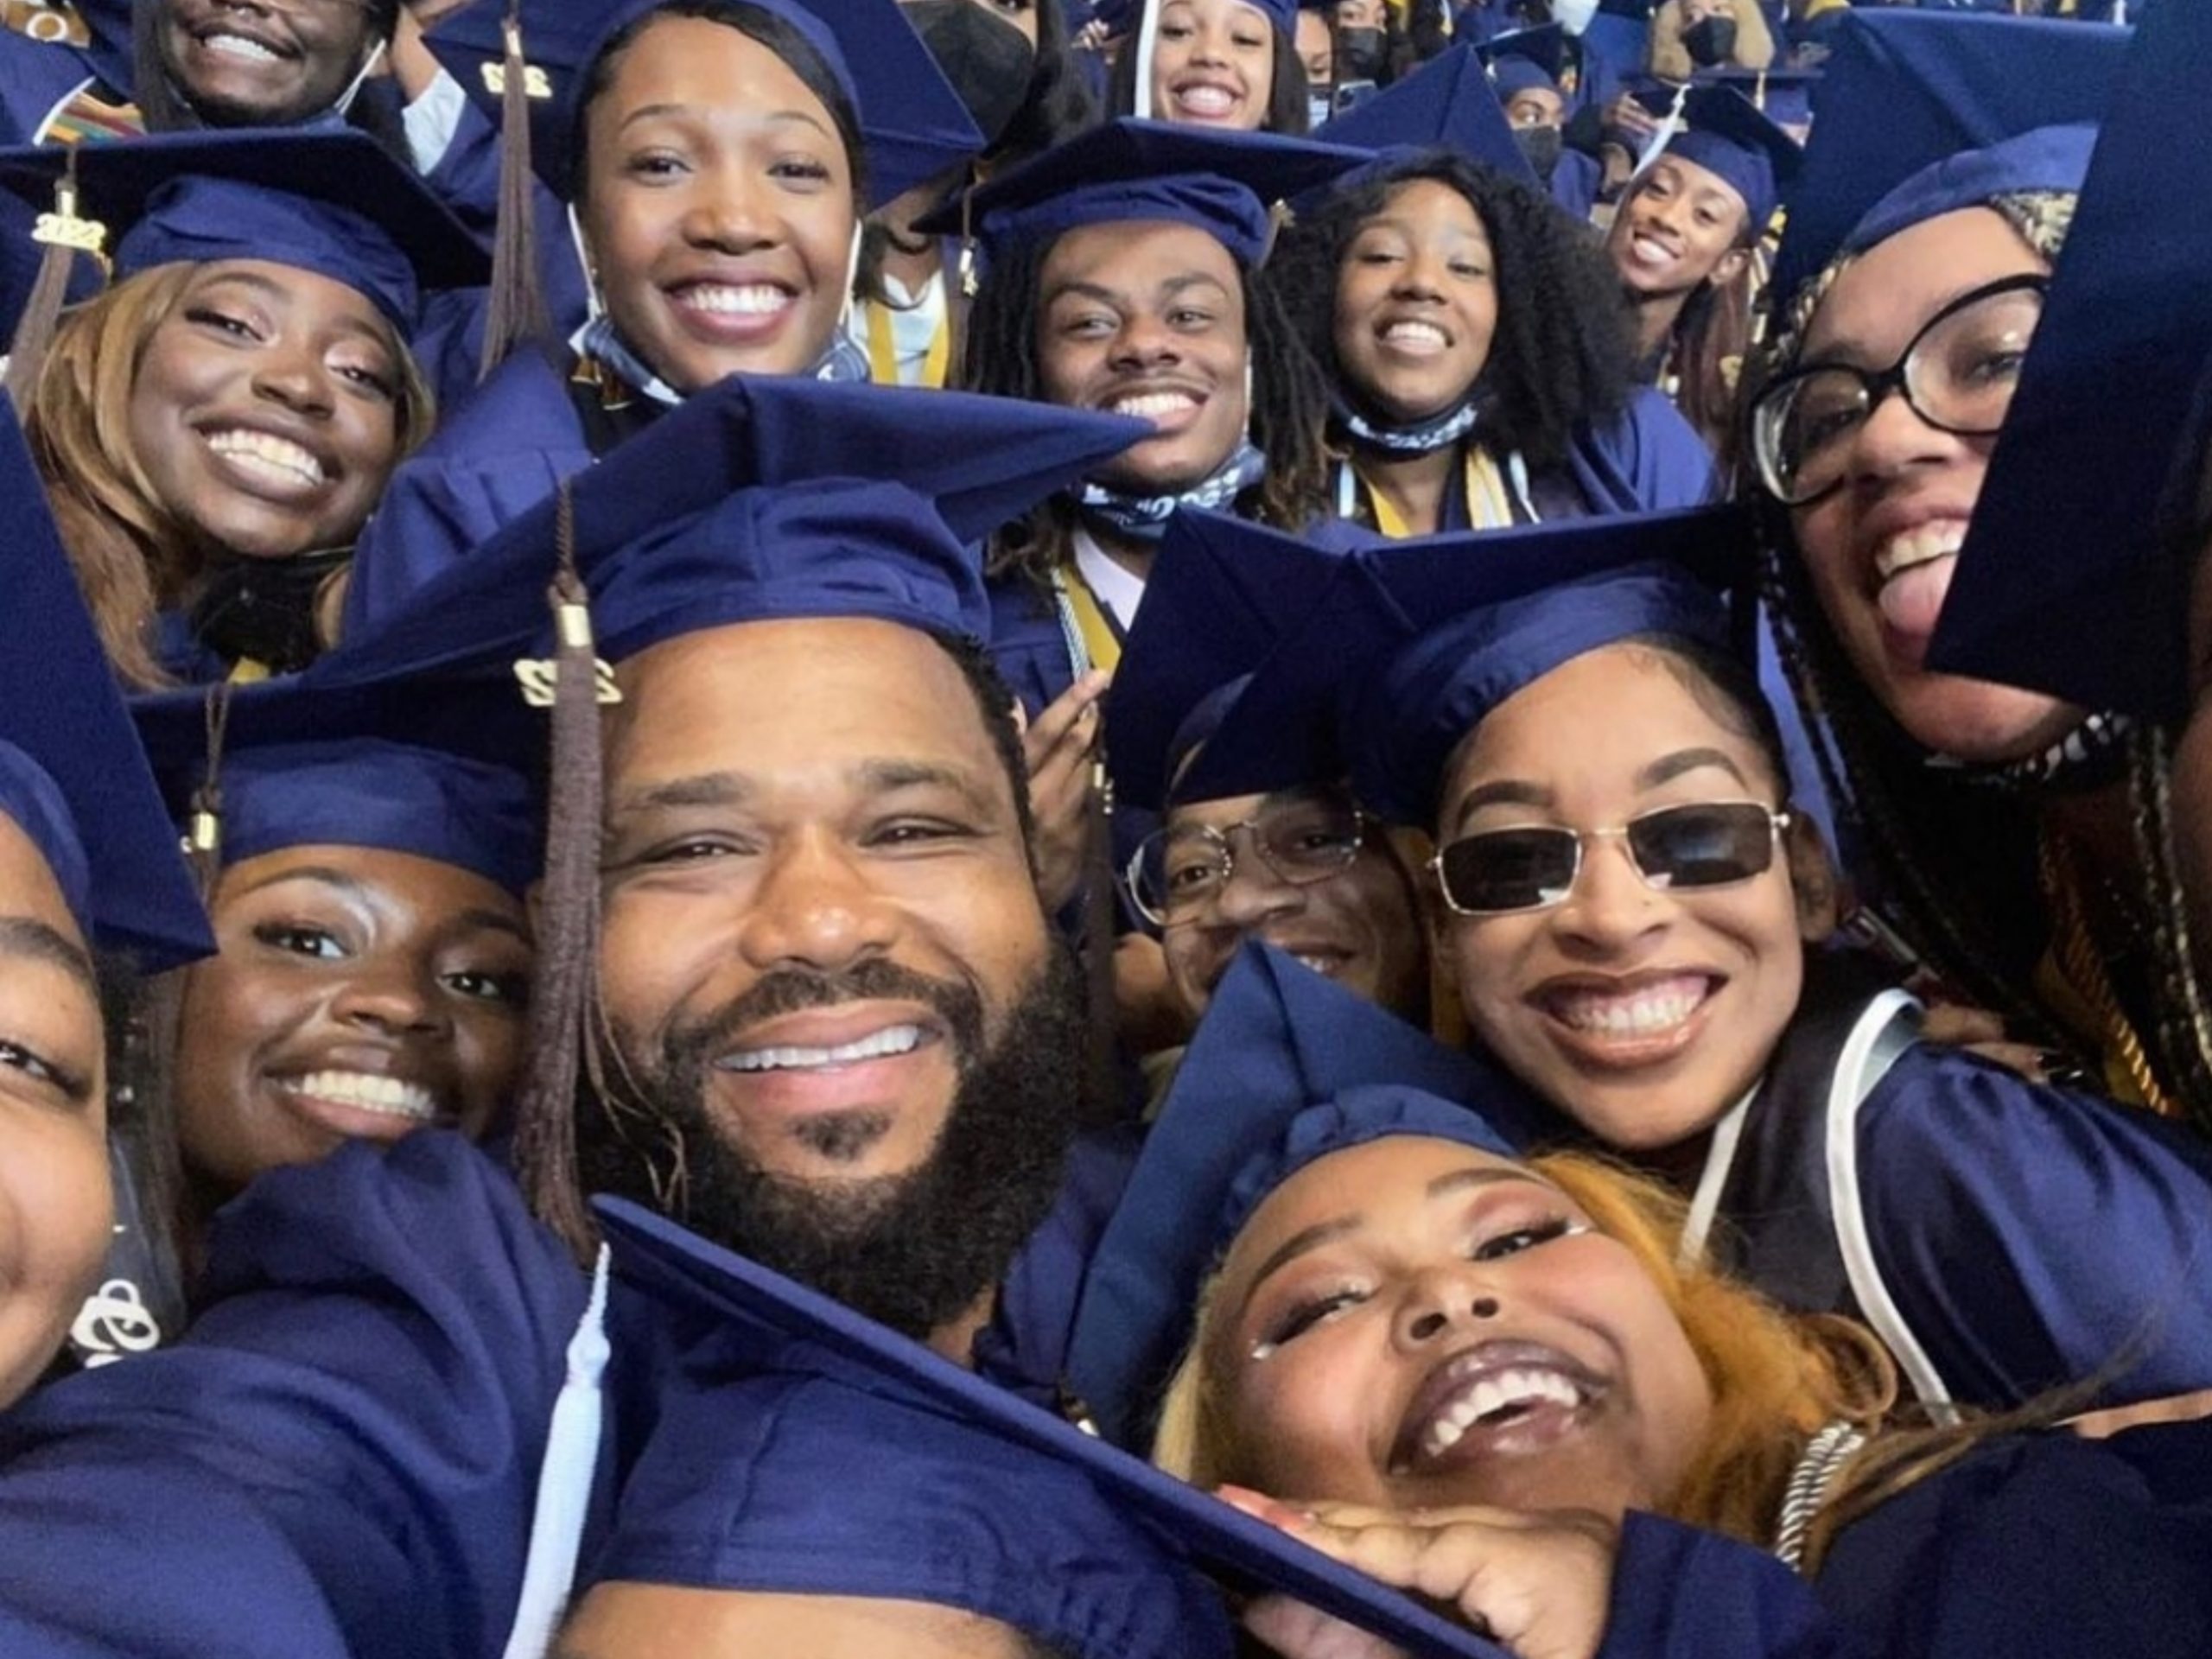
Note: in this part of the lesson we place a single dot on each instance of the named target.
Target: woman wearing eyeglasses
(1632, 916)
(1981, 809)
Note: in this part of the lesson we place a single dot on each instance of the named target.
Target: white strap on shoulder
(564, 1482)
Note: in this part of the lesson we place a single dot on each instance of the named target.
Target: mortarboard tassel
(516, 311)
(65, 235)
(567, 918)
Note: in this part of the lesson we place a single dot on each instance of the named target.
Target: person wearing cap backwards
(1231, 64)
(215, 428)
(1631, 905)
(1989, 816)
(1477, 361)
(717, 156)
(88, 864)
(1685, 244)
(1531, 70)
(833, 1029)
(366, 866)
(1511, 1386)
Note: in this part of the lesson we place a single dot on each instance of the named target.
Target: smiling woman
(1230, 64)
(215, 430)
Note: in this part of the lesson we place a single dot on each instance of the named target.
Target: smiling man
(799, 995)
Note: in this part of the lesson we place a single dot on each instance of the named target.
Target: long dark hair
(1289, 400)
(1059, 104)
(1287, 111)
(374, 110)
(1559, 358)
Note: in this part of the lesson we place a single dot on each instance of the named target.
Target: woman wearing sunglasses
(1630, 912)
(1980, 809)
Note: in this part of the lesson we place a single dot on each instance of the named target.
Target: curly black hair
(1287, 111)
(1561, 356)
(1059, 104)
(1290, 398)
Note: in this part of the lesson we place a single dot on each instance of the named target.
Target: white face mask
(1573, 15)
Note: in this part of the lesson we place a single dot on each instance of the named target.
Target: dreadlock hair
(1286, 112)
(1559, 360)
(1290, 402)
(566, 1096)
(131, 554)
(163, 107)
(1870, 765)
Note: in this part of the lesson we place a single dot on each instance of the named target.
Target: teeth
(1206, 100)
(754, 300)
(368, 1092)
(1488, 1396)
(1156, 406)
(1324, 965)
(237, 46)
(1642, 1013)
(891, 1039)
(1414, 333)
(1651, 252)
(266, 453)
(1902, 552)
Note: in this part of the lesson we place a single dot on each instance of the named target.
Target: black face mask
(1541, 145)
(988, 60)
(1360, 54)
(264, 609)
(1711, 40)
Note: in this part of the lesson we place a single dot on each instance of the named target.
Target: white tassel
(564, 1482)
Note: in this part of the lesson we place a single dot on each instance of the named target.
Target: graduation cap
(2072, 580)
(72, 774)
(1783, 96)
(338, 203)
(937, 1429)
(1448, 102)
(912, 125)
(1220, 182)
(1221, 597)
(1285, 1068)
(1722, 133)
(1904, 90)
(761, 496)
(1529, 57)
(1455, 626)
(405, 766)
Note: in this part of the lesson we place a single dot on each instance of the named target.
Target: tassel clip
(65, 228)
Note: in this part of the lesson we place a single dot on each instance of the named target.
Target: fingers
(1070, 725)
(1297, 1631)
(1956, 1025)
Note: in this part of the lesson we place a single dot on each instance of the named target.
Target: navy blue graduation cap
(1221, 596)
(405, 766)
(1618, 38)
(929, 1414)
(761, 496)
(1526, 58)
(1448, 102)
(912, 125)
(338, 203)
(1730, 139)
(1223, 183)
(1475, 623)
(1285, 1068)
(1903, 90)
(2072, 579)
(72, 774)
(1783, 96)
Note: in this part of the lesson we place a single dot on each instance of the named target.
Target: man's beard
(913, 1251)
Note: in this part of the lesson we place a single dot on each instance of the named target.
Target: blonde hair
(1670, 58)
(1776, 1379)
(131, 556)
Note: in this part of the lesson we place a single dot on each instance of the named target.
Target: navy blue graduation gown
(2004, 1238)
(342, 1455)
(2033, 1544)
(1646, 460)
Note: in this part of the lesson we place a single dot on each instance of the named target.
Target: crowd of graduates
(1135, 830)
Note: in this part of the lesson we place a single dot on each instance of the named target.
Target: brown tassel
(516, 308)
(203, 840)
(568, 915)
(65, 235)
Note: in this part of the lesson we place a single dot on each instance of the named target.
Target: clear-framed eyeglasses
(1958, 375)
(1179, 872)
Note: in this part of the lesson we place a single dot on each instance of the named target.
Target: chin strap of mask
(1144, 518)
(1423, 437)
